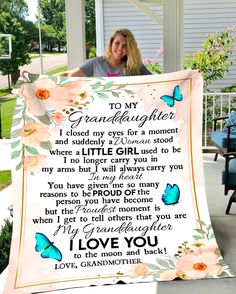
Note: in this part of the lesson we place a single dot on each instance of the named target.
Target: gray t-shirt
(99, 67)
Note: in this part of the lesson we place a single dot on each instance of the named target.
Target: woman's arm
(77, 72)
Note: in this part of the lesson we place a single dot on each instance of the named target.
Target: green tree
(213, 61)
(31, 32)
(20, 55)
(4, 46)
(48, 36)
(53, 14)
(17, 8)
(90, 25)
(5, 243)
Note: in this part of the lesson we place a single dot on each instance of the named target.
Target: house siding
(123, 14)
(211, 16)
(200, 18)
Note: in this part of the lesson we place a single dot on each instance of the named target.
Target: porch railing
(215, 105)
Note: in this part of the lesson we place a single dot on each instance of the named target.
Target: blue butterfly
(46, 246)
(170, 100)
(172, 194)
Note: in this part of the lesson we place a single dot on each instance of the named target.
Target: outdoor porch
(224, 226)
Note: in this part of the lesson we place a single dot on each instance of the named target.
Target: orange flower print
(33, 134)
(199, 266)
(33, 163)
(43, 94)
(139, 270)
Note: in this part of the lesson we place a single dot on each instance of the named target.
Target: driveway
(50, 62)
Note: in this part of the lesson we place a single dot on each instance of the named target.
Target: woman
(122, 58)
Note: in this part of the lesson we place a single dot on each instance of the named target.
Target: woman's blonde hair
(133, 61)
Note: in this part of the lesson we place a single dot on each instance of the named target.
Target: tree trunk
(14, 77)
(9, 82)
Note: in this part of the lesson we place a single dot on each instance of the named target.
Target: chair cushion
(220, 138)
(232, 173)
(231, 121)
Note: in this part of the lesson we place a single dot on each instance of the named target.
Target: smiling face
(122, 52)
(119, 48)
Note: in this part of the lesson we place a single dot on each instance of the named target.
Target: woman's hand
(63, 74)
(77, 72)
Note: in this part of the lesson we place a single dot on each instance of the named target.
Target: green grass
(57, 70)
(5, 178)
(45, 52)
(5, 92)
(7, 109)
(34, 55)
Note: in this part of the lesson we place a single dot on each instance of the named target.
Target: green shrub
(5, 243)
(213, 60)
(153, 65)
(92, 52)
(229, 89)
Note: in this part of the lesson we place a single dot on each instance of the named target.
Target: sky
(32, 5)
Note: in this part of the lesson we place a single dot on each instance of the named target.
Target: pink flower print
(43, 94)
(197, 267)
(33, 163)
(181, 275)
(78, 92)
(33, 134)
(203, 245)
(139, 270)
(58, 118)
(168, 275)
